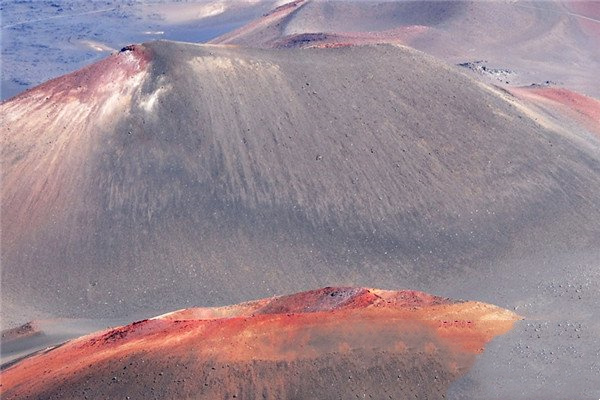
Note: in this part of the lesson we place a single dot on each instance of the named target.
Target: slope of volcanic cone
(560, 102)
(328, 343)
(173, 172)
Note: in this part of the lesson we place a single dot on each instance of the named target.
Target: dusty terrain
(536, 41)
(533, 41)
(287, 156)
(332, 174)
(322, 344)
(335, 173)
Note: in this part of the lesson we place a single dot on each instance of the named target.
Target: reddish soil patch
(275, 346)
(24, 331)
(63, 113)
(581, 108)
(86, 83)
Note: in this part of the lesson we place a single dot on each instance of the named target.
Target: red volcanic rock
(320, 344)
(583, 109)
(62, 114)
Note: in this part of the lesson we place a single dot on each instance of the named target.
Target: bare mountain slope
(174, 173)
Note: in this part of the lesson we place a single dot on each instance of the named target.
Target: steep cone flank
(220, 174)
(327, 343)
(265, 29)
(54, 125)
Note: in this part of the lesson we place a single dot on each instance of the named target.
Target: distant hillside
(534, 41)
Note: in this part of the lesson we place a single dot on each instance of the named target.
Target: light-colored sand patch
(149, 101)
(97, 46)
(207, 64)
(186, 12)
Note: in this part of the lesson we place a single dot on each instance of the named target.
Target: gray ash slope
(255, 172)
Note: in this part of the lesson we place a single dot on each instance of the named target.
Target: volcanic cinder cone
(562, 106)
(327, 343)
(171, 172)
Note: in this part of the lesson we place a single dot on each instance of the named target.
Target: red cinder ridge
(283, 345)
(400, 36)
(86, 83)
(580, 108)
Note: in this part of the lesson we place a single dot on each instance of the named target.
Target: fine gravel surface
(214, 175)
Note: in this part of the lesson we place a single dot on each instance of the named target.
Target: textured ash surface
(371, 373)
(228, 191)
(261, 172)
